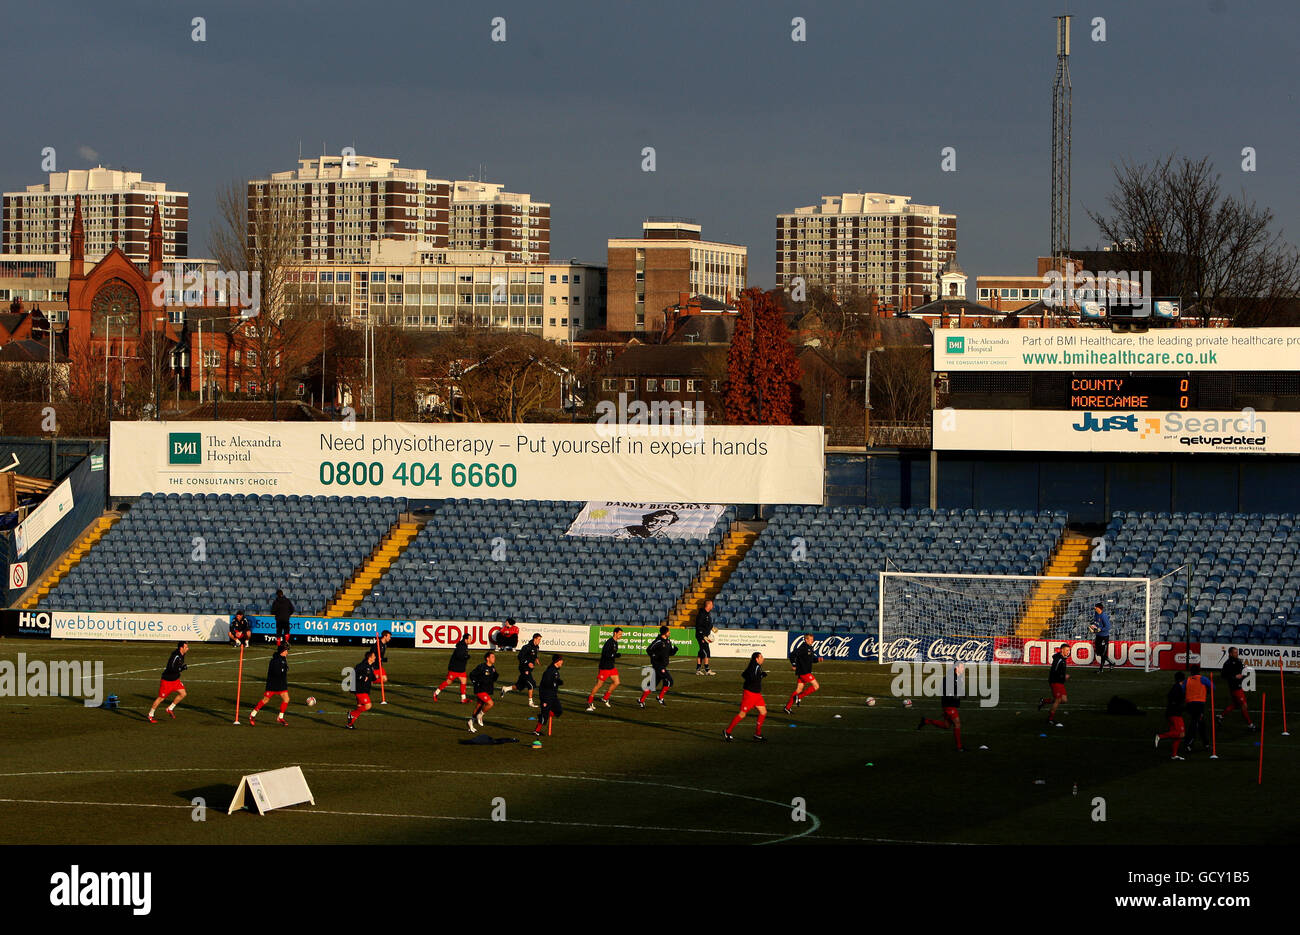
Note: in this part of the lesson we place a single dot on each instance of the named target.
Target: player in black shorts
(550, 695)
(527, 662)
(703, 637)
(660, 650)
(282, 609)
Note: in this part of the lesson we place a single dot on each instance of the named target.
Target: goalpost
(1016, 610)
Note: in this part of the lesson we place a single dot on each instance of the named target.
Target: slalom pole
(239, 681)
(1281, 677)
(1214, 717)
(379, 657)
(1263, 706)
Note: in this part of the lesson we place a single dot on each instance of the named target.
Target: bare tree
(24, 382)
(257, 233)
(1171, 217)
(900, 385)
(507, 377)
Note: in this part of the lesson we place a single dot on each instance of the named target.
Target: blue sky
(745, 122)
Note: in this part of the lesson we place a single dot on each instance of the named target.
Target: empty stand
(815, 568)
(1245, 581)
(183, 553)
(448, 572)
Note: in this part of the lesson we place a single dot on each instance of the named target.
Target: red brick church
(113, 319)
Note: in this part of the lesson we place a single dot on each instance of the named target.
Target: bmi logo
(956, 344)
(184, 448)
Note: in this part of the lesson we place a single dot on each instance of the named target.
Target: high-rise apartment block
(860, 242)
(116, 209)
(346, 203)
(486, 218)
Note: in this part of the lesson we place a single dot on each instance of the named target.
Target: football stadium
(907, 612)
(638, 427)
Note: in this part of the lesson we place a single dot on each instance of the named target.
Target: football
(311, 701)
(870, 702)
(907, 702)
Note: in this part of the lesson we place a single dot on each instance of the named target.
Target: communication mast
(1061, 146)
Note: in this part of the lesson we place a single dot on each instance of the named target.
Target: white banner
(444, 634)
(44, 518)
(1048, 349)
(1263, 659)
(1051, 430)
(629, 463)
(741, 644)
(198, 628)
(646, 520)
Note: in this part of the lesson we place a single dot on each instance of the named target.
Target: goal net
(1015, 618)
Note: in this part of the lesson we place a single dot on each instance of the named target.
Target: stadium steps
(393, 544)
(1050, 598)
(731, 550)
(69, 560)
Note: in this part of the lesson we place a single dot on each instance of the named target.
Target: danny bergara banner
(1050, 430)
(646, 520)
(624, 463)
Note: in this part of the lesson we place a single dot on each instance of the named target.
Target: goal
(1014, 617)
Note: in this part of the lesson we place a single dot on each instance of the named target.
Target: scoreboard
(1213, 390)
(1187, 391)
(1132, 391)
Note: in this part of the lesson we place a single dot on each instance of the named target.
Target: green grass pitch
(662, 775)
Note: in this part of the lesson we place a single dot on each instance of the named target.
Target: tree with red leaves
(762, 370)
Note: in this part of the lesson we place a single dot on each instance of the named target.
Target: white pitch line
(218, 662)
(522, 821)
(815, 822)
(111, 804)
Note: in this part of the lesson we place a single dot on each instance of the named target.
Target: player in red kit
(484, 679)
(1056, 677)
(277, 683)
(751, 698)
(607, 670)
(171, 681)
(802, 659)
(365, 675)
(456, 668)
(953, 688)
